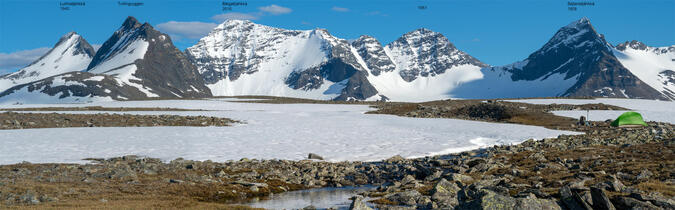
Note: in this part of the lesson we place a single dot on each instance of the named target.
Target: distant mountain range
(240, 57)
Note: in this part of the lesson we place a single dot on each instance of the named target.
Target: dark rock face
(632, 44)
(570, 51)
(669, 75)
(432, 54)
(164, 69)
(334, 70)
(608, 78)
(358, 88)
(168, 71)
(373, 55)
(343, 65)
(305, 80)
(632, 203)
(600, 199)
(578, 52)
(79, 84)
(572, 200)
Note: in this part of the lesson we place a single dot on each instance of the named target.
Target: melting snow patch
(283, 131)
(95, 78)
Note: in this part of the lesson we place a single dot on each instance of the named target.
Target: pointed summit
(70, 53)
(130, 23)
(576, 34)
(140, 56)
(81, 47)
(584, 21)
(576, 61)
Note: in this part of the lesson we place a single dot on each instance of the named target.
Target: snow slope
(653, 65)
(251, 59)
(497, 83)
(243, 58)
(120, 62)
(426, 67)
(284, 131)
(392, 85)
(425, 53)
(71, 53)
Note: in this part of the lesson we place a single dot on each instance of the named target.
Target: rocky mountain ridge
(240, 57)
(136, 62)
(576, 61)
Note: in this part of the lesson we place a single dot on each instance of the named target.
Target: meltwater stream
(320, 198)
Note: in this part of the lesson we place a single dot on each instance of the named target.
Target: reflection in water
(321, 198)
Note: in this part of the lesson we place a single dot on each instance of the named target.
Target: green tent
(629, 119)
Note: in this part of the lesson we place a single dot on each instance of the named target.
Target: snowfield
(282, 131)
(651, 110)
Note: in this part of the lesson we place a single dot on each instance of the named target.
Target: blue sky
(495, 31)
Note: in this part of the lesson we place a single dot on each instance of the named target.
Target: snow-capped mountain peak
(423, 52)
(70, 53)
(136, 62)
(128, 42)
(140, 56)
(129, 23)
(582, 22)
(373, 54)
(238, 54)
(577, 34)
(576, 61)
(235, 23)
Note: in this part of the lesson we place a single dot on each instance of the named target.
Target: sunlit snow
(283, 131)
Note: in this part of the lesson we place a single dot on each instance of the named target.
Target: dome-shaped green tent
(629, 119)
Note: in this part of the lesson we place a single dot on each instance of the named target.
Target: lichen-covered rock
(534, 203)
(444, 193)
(409, 197)
(489, 200)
